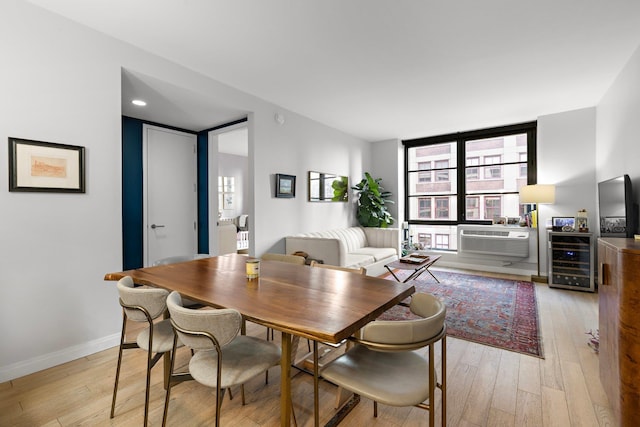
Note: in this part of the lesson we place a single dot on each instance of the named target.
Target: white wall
(618, 127)
(566, 158)
(61, 83)
(311, 147)
(388, 164)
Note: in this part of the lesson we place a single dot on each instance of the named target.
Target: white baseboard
(26, 367)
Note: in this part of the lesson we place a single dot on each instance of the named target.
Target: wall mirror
(328, 187)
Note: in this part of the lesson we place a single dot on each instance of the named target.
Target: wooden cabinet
(619, 301)
(571, 261)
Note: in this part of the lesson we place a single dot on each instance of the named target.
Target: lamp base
(539, 279)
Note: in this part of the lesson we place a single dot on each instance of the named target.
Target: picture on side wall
(36, 166)
(285, 185)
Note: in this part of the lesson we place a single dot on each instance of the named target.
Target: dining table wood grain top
(316, 303)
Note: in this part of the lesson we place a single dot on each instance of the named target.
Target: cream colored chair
(222, 358)
(383, 367)
(143, 304)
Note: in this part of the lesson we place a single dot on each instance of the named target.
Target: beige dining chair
(223, 358)
(384, 367)
(143, 304)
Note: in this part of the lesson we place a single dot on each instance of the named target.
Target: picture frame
(563, 223)
(37, 166)
(285, 186)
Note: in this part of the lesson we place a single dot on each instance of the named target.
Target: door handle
(154, 226)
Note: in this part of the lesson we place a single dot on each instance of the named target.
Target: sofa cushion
(358, 260)
(352, 237)
(376, 253)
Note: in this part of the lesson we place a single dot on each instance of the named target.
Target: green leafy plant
(340, 187)
(372, 200)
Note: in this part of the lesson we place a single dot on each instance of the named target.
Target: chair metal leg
(169, 383)
(115, 385)
(443, 385)
(432, 387)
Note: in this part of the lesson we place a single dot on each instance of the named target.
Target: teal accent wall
(203, 192)
(132, 191)
(132, 221)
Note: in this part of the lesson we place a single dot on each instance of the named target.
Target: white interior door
(170, 184)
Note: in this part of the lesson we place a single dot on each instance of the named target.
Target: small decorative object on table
(582, 221)
(414, 258)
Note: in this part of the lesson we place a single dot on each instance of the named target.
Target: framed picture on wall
(38, 166)
(285, 185)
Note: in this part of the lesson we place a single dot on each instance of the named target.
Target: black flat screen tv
(618, 213)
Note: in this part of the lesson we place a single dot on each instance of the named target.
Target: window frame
(460, 139)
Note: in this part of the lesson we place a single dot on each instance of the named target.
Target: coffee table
(418, 269)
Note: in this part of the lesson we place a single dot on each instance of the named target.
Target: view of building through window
(481, 174)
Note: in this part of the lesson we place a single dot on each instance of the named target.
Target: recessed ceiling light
(139, 102)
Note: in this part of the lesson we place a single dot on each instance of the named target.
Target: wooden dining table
(315, 303)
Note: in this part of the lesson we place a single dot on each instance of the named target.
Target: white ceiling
(377, 69)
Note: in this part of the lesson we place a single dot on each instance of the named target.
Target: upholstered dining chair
(178, 258)
(383, 367)
(143, 304)
(222, 358)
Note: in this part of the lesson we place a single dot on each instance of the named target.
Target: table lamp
(538, 194)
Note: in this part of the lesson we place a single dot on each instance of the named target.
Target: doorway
(170, 193)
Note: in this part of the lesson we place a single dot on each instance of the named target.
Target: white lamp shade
(539, 194)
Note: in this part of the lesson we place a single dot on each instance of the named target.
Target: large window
(467, 177)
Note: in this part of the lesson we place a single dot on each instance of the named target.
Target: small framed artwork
(563, 223)
(285, 185)
(227, 201)
(38, 166)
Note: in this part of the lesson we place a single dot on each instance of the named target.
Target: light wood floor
(486, 386)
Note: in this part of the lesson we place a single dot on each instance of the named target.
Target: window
(472, 172)
(442, 207)
(492, 207)
(473, 207)
(492, 172)
(425, 207)
(442, 175)
(467, 177)
(442, 241)
(424, 176)
(523, 164)
(425, 239)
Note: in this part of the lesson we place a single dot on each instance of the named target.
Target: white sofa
(352, 247)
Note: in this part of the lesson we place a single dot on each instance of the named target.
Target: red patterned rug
(497, 312)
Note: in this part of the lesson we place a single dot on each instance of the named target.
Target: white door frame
(213, 159)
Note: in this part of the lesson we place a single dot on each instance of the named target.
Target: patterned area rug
(497, 312)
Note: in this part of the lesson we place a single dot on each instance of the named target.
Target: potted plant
(372, 200)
